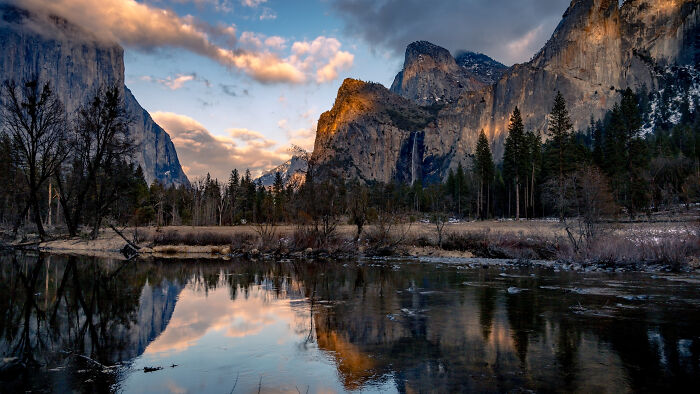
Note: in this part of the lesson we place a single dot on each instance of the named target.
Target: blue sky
(235, 82)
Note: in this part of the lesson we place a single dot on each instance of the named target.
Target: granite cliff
(77, 64)
(431, 116)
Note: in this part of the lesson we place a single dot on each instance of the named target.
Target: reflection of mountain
(431, 333)
(419, 328)
(156, 306)
(64, 306)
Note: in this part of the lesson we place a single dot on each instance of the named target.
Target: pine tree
(626, 154)
(560, 128)
(484, 170)
(278, 195)
(533, 143)
(597, 135)
(515, 156)
(232, 195)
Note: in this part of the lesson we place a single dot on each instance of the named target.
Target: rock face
(77, 64)
(430, 75)
(375, 135)
(597, 50)
(485, 69)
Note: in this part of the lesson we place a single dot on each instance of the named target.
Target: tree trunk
(36, 213)
(517, 199)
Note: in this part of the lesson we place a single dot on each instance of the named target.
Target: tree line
(81, 163)
(85, 161)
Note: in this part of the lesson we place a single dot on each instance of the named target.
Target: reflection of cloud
(146, 27)
(201, 152)
(244, 316)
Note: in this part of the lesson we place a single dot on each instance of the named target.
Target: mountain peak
(484, 68)
(430, 76)
(417, 49)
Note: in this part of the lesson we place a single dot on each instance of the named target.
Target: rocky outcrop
(77, 64)
(485, 69)
(430, 76)
(375, 135)
(597, 50)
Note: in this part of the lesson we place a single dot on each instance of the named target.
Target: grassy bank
(674, 246)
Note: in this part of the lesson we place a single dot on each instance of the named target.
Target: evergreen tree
(626, 154)
(515, 157)
(533, 142)
(278, 195)
(597, 135)
(560, 128)
(484, 170)
(232, 195)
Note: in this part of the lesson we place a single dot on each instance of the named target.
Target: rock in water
(598, 49)
(77, 63)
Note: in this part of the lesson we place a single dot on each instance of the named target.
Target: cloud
(252, 3)
(276, 42)
(340, 61)
(322, 54)
(201, 152)
(230, 90)
(177, 81)
(218, 5)
(478, 25)
(302, 137)
(268, 14)
(145, 27)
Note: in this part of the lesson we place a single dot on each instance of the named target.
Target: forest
(72, 173)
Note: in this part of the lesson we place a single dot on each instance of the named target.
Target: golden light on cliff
(354, 366)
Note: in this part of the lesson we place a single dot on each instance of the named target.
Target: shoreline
(494, 243)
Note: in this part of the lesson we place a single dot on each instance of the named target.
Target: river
(95, 325)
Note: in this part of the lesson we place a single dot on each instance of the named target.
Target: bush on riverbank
(675, 247)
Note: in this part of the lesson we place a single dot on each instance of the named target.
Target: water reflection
(88, 324)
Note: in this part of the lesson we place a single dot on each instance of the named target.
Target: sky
(237, 82)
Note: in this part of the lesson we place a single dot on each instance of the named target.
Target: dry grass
(668, 244)
(672, 247)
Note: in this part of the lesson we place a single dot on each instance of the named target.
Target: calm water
(87, 324)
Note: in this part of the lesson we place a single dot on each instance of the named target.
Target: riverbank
(660, 246)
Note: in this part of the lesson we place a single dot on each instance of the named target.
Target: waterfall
(413, 159)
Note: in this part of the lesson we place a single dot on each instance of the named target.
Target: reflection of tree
(650, 353)
(524, 318)
(487, 306)
(568, 341)
(88, 318)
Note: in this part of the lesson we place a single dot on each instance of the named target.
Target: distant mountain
(292, 171)
(427, 124)
(77, 63)
(481, 66)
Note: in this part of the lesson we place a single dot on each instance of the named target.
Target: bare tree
(358, 205)
(34, 119)
(587, 200)
(439, 220)
(99, 144)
